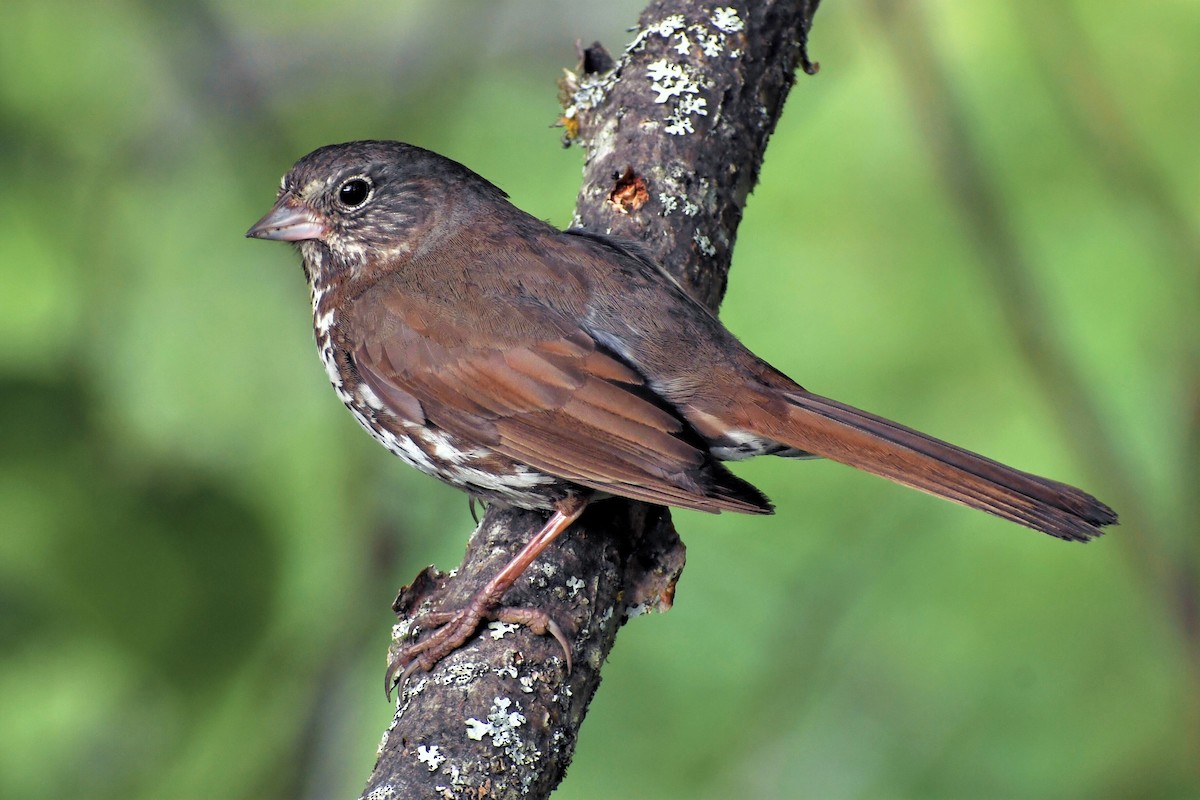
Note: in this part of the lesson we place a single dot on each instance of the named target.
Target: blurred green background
(200, 546)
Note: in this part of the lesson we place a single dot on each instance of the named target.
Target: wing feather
(559, 404)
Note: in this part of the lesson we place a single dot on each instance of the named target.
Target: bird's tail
(839, 432)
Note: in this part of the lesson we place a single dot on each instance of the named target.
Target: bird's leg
(454, 628)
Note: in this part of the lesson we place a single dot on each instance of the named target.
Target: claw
(390, 680)
(540, 623)
(456, 627)
(557, 633)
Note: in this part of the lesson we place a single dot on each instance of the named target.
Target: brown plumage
(543, 368)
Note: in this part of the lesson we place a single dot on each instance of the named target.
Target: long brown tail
(845, 434)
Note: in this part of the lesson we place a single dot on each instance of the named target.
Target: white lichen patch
(671, 80)
(430, 757)
(402, 630)
(457, 782)
(637, 610)
(498, 630)
(385, 792)
(727, 20)
(526, 682)
(384, 739)
(665, 27)
(679, 49)
(591, 93)
(462, 674)
(501, 724)
(574, 584)
(677, 183)
(674, 83)
(587, 92)
(711, 44)
(476, 729)
(414, 687)
(679, 122)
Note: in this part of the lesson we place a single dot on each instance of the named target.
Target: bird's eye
(354, 192)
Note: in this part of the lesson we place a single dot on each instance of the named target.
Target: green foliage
(199, 545)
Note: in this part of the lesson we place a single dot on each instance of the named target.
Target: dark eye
(354, 192)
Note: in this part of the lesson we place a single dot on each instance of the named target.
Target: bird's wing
(552, 399)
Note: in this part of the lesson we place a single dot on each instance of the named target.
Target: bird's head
(349, 205)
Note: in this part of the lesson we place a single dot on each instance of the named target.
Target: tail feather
(859, 439)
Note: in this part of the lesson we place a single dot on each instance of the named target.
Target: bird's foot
(454, 628)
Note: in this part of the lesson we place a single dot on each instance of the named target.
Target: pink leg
(454, 628)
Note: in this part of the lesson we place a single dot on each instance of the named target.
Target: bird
(547, 369)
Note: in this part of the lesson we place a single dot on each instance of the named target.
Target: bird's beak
(288, 222)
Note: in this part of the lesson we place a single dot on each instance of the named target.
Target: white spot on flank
(318, 294)
(325, 321)
(402, 446)
(523, 478)
(428, 449)
(741, 445)
(331, 368)
(368, 397)
(444, 449)
(518, 486)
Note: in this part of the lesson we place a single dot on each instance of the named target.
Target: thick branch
(675, 132)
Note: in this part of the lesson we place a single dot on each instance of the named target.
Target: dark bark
(675, 131)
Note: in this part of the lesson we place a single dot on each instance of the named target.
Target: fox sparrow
(545, 369)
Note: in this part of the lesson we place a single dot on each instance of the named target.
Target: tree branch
(675, 132)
